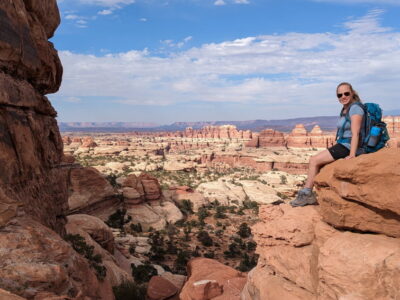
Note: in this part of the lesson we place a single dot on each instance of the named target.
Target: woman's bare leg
(315, 164)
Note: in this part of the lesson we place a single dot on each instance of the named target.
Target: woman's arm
(356, 121)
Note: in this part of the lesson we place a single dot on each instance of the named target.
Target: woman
(347, 144)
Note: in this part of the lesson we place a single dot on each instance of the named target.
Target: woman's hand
(350, 156)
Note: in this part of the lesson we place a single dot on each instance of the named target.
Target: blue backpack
(374, 134)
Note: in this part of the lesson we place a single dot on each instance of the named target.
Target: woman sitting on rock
(347, 146)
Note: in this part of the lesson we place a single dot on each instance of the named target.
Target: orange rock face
(160, 288)
(35, 261)
(216, 132)
(268, 138)
(88, 142)
(137, 190)
(209, 279)
(88, 190)
(364, 194)
(303, 255)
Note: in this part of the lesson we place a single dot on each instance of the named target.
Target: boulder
(88, 189)
(209, 279)
(160, 288)
(303, 257)
(363, 193)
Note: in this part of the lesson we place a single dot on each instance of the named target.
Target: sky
(165, 61)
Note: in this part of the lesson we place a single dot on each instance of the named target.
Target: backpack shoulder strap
(339, 132)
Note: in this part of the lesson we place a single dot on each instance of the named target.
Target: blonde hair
(356, 97)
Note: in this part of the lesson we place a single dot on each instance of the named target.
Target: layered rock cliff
(35, 262)
(347, 247)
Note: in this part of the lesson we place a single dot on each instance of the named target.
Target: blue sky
(203, 60)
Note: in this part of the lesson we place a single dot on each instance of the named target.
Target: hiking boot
(303, 199)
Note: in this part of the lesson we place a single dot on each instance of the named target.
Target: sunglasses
(345, 93)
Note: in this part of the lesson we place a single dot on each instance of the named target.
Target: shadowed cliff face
(35, 262)
(31, 181)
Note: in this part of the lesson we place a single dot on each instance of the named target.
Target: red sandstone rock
(160, 288)
(97, 234)
(362, 193)
(151, 186)
(35, 259)
(303, 257)
(96, 228)
(209, 279)
(5, 295)
(26, 28)
(298, 137)
(267, 138)
(88, 142)
(87, 187)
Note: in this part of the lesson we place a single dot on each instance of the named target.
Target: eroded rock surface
(35, 262)
(345, 248)
(209, 279)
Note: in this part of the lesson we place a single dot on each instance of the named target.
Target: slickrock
(178, 194)
(35, 262)
(34, 259)
(160, 288)
(97, 234)
(362, 194)
(210, 279)
(96, 228)
(303, 255)
(90, 193)
(5, 295)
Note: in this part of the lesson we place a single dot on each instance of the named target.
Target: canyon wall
(35, 262)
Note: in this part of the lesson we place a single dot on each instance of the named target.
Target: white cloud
(219, 2)
(71, 17)
(105, 12)
(179, 44)
(143, 20)
(242, 1)
(298, 70)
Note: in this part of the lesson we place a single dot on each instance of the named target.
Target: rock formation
(348, 247)
(209, 279)
(267, 138)
(34, 259)
(90, 193)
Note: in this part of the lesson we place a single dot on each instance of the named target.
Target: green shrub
(118, 219)
(129, 290)
(112, 179)
(251, 246)
(186, 206)
(143, 273)
(205, 238)
(244, 230)
(247, 263)
(95, 261)
(209, 254)
(136, 227)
